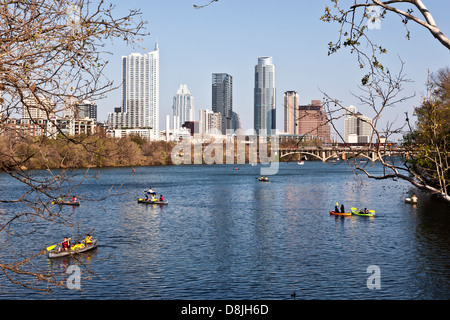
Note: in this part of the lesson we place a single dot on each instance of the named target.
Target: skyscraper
(140, 93)
(264, 96)
(183, 106)
(222, 98)
(291, 104)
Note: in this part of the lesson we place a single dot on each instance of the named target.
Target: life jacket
(88, 240)
(65, 244)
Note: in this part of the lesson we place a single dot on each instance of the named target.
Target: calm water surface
(225, 235)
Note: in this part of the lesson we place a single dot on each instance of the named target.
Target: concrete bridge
(333, 153)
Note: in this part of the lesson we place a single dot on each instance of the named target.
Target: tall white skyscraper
(182, 107)
(264, 96)
(140, 93)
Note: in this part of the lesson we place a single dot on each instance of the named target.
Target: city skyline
(304, 66)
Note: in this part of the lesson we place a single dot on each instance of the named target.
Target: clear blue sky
(229, 36)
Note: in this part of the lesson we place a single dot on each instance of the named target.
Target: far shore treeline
(34, 153)
(95, 151)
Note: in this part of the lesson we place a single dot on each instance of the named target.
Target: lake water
(225, 235)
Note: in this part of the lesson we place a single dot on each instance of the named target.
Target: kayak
(153, 202)
(264, 179)
(340, 213)
(357, 213)
(67, 203)
(411, 200)
(59, 254)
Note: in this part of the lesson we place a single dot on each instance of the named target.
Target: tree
(51, 51)
(427, 168)
(354, 20)
(431, 138)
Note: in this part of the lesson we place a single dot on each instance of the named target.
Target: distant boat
(67, 203)
(254, 164)
(301, 163)
(411, 200)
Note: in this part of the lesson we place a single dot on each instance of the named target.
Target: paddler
(149, 192)
(88, 240)
(65, 245)
(77, 246)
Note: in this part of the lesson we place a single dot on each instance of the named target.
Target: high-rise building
(357, 127)
(183, 106)
(222, 99)
(264, 96)
(140, 94)
(291, 103)
(210, 122)
(313, 121)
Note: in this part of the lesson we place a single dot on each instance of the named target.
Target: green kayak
(356, 212)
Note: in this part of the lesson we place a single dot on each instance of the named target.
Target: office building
(357, 127)
(210, 122)
(312, 121)
(291, 103)
(264, 97)
(222, 99)
(182, 107)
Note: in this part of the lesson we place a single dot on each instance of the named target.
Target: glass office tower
(222, 98)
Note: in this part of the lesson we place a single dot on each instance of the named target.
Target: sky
(229, 35)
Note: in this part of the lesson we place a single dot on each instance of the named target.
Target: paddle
(51, 247)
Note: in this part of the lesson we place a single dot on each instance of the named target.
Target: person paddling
(65, 245)
(88, 240)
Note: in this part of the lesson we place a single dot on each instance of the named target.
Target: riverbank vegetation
(35, 153)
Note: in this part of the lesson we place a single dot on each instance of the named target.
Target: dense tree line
(82, 152)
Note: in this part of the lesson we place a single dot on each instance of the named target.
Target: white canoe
(58, 254)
